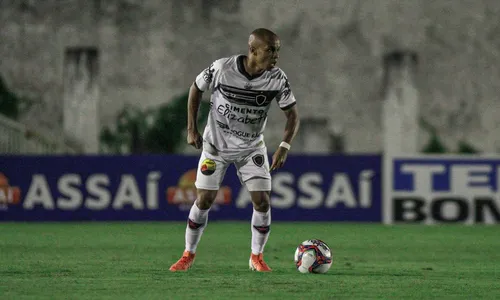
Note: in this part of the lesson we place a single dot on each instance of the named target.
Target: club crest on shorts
(258, 160)
(207, 167)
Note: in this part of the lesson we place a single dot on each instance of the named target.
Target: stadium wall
(150, 51)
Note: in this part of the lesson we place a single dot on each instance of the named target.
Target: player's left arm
(291, 129)
(292, 124)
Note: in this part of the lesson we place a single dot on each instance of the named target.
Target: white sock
(260, 230)
(197, 221)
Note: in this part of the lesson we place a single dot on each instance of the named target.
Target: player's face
(268, 54)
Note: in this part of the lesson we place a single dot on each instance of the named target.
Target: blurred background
(112, 76)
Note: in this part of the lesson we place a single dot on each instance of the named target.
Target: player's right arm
(193, 135)
(205, 81)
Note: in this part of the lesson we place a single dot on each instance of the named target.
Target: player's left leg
(254, 173)
(260, 224)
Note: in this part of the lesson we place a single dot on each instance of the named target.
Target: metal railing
(16, 138)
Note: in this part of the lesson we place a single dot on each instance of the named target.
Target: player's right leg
(211, 171)
(197, 222)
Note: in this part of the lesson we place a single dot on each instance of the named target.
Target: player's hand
(279, 158)
(194, 139)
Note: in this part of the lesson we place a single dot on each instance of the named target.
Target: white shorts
(252, 169)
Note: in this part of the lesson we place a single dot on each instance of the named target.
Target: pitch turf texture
(131, 261)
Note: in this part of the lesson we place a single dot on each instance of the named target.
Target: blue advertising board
(437, 189)
(161, 188)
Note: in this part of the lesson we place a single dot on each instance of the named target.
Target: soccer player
(242, 88)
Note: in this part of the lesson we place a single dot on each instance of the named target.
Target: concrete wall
(331, 50)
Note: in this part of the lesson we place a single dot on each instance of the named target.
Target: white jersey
(240, 102)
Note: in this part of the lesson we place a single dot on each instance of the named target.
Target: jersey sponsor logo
(242, 110)
(239, 133)
(247, 97)
(243, 134)
(233, 113)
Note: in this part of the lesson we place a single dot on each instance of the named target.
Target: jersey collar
(241, 67)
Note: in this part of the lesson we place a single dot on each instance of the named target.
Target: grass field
(131, 261)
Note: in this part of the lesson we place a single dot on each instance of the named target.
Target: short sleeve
(206, 80)
(285, 98)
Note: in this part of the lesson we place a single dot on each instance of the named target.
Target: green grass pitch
(131, 261)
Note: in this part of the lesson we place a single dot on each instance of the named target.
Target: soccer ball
(313, 256)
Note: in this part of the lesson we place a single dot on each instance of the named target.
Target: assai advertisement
(157, 187)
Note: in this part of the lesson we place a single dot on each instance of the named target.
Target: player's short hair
(263, 34)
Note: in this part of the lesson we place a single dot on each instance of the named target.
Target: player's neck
(251, 67)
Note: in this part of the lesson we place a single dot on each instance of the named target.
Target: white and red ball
(313, 256)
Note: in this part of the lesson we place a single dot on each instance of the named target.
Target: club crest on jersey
(258, 160)
(260, 99)
(248, 86)
(208, 167)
